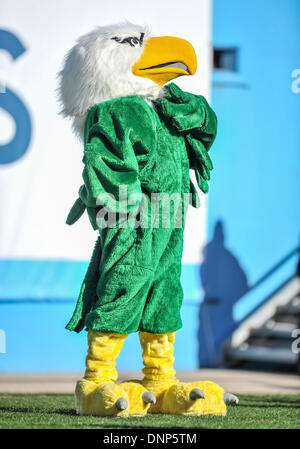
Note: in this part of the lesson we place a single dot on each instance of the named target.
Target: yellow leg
(103, 349)
(97, 393)
(158, 361)
(195, 398)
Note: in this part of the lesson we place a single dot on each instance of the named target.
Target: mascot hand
(185, 111)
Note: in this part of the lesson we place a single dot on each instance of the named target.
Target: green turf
(57, 411)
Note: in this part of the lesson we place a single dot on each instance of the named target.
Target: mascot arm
(114, 148)
(192, 116)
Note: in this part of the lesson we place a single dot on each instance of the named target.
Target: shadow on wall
(224, 282)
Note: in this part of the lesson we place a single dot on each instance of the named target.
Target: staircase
(269, 334)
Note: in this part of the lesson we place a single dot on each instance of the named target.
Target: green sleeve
(199, 141)
(191, 115)
(115, 147)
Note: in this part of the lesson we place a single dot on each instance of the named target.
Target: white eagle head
(117, 61)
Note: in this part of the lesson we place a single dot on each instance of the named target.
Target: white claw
(196, 393)
(149, 398)
(121, 404)
(230, 399)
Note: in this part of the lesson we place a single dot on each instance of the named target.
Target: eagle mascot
(141, 137)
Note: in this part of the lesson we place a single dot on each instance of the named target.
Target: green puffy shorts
(132, 283)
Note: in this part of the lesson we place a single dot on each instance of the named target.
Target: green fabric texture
(133, 279)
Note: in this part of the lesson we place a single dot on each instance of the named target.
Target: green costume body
(133, 280)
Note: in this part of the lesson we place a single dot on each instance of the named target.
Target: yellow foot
(194, 398)
(110, 399)
(139, 398)
(107, 399)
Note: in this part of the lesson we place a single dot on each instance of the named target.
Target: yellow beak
(165, 58)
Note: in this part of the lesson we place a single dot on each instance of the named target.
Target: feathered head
(117, 61)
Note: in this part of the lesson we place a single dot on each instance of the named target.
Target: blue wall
(37, 299)
(254, 213)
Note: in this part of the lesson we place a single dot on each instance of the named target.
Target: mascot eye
(134, 42)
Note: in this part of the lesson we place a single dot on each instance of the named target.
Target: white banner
(40, 159)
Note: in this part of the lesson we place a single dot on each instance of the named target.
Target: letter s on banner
(12, 104)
